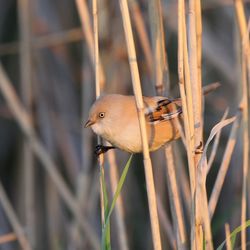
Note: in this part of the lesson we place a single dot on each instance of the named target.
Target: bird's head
(101, 115)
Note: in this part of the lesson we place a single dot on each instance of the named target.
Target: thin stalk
(241, 18)
(140, 108)
(6, 238)
(88, 33)
(186, 93)
(198, 20)
(228, 240)
(181, 16)
(203, 228)
(98, 92)
(161, 72)
(176, 208)
(101, 173)
(12, 217)
(166, 223)
(196, 120)
(195, 53)
(84, 179)
(194, 75)
(44, 41)
(121, 226)
(96, 50)
(183, 80)
(244, 33)
(183, 179)
(25, 20)
(142, 33)
(245, 67)
(245, 150)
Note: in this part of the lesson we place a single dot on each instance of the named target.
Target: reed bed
(57, 58)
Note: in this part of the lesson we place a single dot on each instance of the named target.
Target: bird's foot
(100, 149)
(199, 148)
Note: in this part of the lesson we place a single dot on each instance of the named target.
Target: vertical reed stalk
(198, 20)
(228, 240)
(245, 149)
(96, 49)
(166, 223)
(113, 167)
(175, 202)
(183, 179)
(245, 65)
(139, 103)
(84, 176)
(181, 16)
(195, 85)
(84, 179)
(142, 33)
(191, 93)
(88, 32)
(98, 92)
(24, 12)
(186, 94)
(183, 81)
(195, 78)
(195, 53)
(161, 73)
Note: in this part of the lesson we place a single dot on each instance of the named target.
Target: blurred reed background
(49, 190)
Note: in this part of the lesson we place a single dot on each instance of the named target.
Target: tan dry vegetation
(57, 57)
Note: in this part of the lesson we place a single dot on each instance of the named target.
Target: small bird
(114, 117)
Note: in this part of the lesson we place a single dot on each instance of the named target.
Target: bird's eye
(101, 114)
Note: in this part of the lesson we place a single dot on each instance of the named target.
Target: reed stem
(140, 108)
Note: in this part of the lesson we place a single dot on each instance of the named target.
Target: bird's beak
(88, 123)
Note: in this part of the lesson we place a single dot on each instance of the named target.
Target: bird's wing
(162, 109)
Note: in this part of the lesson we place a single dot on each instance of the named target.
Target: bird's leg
(100, 149)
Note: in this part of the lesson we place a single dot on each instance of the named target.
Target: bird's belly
(128, 139)
(129, 143)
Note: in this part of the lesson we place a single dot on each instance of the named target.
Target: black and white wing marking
(165, 110)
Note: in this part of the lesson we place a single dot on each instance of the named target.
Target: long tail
(205, 90)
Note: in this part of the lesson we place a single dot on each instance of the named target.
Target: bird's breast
(128, 138)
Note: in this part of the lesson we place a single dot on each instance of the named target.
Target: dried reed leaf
(213, 132)
(201, 203)
(215, 144)
(224, 166)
